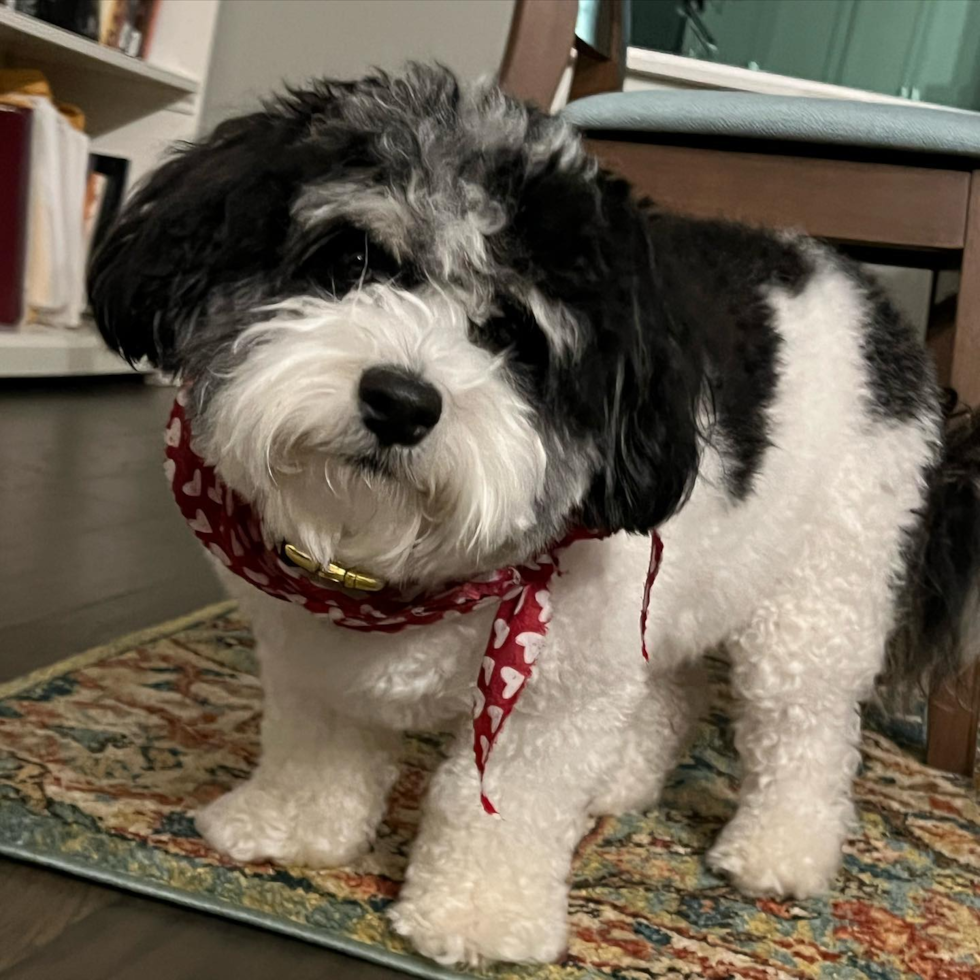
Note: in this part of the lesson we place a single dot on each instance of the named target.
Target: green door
(925, 50)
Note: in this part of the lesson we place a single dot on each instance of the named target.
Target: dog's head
(422, 327)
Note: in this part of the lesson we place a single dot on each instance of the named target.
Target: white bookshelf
(134, 109)
(45, 352)
(25, 38)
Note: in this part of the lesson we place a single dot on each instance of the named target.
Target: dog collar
(346, 578)
(232, 532)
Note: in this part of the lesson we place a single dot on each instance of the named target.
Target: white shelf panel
(28, 38)
(52, 352)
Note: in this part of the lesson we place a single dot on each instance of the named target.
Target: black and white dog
(544, 352)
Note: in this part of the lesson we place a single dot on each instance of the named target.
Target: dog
(425, 335)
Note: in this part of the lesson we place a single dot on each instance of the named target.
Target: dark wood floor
(91, 547)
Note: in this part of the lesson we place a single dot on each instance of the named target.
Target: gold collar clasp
(345, 577)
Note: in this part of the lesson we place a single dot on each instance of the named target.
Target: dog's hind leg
(799, 672)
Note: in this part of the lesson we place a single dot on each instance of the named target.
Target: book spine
(153, 9)
(117, 24)
(15, 166)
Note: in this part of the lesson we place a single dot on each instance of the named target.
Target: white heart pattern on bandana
(496, 714)
(228, 527)
(172, 436)
(544, 601)
(220, 554)
(531, 644)
(193, 486)
(512, 682)
(500, 633)
(199, 524)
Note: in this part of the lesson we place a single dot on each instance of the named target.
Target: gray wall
(260, 43)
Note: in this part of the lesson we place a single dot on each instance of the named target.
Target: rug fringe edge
(95, 654)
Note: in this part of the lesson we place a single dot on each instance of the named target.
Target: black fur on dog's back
(939, 632)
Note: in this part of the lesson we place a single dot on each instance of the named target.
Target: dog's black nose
(398, 407)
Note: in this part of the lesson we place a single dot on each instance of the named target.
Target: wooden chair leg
(954, 710)
(962, 368)
(954, 714)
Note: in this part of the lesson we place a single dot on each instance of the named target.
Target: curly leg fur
(797, 733)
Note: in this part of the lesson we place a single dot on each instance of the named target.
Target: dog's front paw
(480, 925)
(786, 856)
(260, 821)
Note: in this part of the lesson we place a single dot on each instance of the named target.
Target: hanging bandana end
(656, 554)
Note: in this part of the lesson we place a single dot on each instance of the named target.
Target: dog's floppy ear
(647, 445)
(213, 214)
(633, 387)
(647, 436)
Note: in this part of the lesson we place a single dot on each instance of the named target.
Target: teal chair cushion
(744, 115)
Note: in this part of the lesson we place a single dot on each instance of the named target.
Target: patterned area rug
(104, 757)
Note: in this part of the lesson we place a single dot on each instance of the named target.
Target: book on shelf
(56, 201)
(15, 163)
(55, 286)
(126, 25)
(78, 16)
(112, 14)
(142, 15)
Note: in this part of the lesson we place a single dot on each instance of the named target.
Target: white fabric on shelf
(55, 281)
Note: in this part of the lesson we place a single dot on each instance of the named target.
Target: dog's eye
(513, 329)
(345, 259)
(495, 334)
(508, 326)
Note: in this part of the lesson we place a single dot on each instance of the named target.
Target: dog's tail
(939, 632)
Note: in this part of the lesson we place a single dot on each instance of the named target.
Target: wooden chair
(889, 183)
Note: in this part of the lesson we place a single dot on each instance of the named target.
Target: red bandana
(226, 525)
